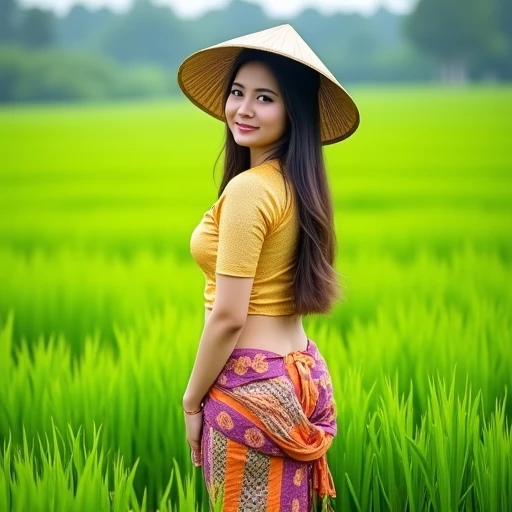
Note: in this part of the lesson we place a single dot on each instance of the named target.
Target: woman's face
(255, 110)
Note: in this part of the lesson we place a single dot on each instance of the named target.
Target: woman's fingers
(196, 457)
(195, 452)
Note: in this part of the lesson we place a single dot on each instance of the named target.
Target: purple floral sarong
(268, 423)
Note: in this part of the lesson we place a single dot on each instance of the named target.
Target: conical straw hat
(202, 78)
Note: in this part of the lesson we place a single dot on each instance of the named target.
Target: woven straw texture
(202, 77)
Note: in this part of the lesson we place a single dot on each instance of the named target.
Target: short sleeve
(245, 218)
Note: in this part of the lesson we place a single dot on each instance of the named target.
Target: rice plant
(101, 304)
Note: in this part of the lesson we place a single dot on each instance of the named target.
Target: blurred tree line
(468, 39)
(98, 54)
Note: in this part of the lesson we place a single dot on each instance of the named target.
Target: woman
(259, 407)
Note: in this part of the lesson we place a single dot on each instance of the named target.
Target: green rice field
(101, 304)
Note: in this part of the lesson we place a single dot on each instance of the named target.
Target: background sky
(192, 8)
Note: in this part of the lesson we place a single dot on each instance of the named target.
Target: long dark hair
(302, 163)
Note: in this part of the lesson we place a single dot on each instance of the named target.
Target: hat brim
(202, 78)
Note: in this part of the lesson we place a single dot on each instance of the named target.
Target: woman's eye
(235, 91)
(266, 98)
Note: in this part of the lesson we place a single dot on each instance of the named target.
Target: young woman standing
(259, 407)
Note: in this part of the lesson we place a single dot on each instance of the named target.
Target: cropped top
(252, 230)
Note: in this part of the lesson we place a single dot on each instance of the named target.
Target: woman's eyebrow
(238, 84)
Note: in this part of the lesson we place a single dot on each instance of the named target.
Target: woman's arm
(220, 335)
(217, 342)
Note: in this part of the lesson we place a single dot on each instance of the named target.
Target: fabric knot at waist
(298, 364)
(299, 367)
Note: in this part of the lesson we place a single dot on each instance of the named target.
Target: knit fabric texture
(252, 230)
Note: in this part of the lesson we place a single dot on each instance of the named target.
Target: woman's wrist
(191, 404)
(193, 413)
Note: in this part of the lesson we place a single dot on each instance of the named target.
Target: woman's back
(264, 216)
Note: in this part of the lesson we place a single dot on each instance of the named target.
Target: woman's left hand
(194, 430)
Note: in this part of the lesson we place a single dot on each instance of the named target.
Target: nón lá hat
(202, 77)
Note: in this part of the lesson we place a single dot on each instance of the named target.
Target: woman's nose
(245, 108)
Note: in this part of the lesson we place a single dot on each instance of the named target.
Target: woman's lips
(244, 128)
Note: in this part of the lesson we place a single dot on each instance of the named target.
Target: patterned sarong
(268, 423)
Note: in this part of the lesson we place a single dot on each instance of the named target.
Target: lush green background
(101, 303)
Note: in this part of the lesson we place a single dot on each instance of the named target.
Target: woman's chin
(242, 141)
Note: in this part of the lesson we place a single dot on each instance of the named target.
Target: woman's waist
(279, 334)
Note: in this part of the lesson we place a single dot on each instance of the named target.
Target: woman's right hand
(194, 430)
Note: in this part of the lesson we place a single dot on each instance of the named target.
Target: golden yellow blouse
(252, 230)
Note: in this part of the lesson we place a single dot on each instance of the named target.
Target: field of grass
(101, 304)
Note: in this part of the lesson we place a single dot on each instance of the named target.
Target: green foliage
(36, 28)
(473, 38)
(498, 63)
(354, 47)
(8, 11)
(386, 457)
(56, 75)
(69, 475)
(101, 304)
(146, 34)
(452, 29)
